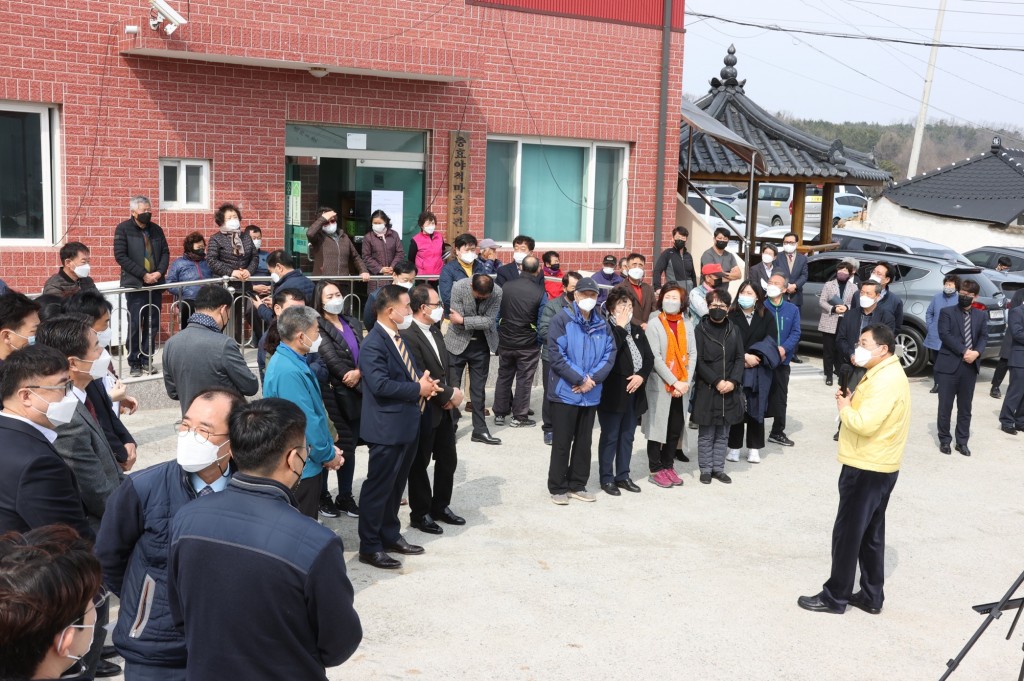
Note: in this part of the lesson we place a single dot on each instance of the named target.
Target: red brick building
(279, 107)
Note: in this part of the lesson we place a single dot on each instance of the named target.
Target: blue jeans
(616, 442)
(143, 325)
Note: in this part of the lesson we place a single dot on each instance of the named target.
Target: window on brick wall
(184, 184)
(29, 176)
(567, 192)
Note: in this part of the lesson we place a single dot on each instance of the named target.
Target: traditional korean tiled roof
(987, 188)
(787, 151)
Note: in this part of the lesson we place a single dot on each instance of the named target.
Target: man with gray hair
(290, 378)
(141, 250)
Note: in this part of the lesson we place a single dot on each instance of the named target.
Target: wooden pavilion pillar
(799, 200)
(752, 223)
(828, 194)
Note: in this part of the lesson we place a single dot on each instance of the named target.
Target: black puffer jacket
(343, 404)
(221, 258)
(719, 357)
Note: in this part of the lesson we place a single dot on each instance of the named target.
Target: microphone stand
(993, 611)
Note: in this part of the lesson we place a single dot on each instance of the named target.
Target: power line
(932, 9)
(852, 36)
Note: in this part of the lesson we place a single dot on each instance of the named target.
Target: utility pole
(915, 149)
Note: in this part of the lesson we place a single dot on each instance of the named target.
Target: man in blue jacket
(290, 378)
(136, 529)
(285, 277)
(787, 323)
(463, 266)
(581, 353)
(260, 591)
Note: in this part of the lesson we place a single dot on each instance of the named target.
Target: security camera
(164, 12)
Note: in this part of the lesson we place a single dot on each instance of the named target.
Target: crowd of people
(613, 350)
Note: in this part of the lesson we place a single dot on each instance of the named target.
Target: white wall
(960, 235)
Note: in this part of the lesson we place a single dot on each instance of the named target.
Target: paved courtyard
(696, 582)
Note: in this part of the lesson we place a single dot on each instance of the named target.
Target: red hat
(711, 268)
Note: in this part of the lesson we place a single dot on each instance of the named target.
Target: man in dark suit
(794, 266)
(522, 301)
(1011, 416)
(865, 312)
(394, 398)
(884, 273)
(437, 430)
(522, 246)
(963, 331)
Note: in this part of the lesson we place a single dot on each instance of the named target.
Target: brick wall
(120, 113)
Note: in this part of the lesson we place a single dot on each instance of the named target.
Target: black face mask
(555, 267)
(720, 245)
(965, 301)
(144, 218)
(680, 244)
(717, 314)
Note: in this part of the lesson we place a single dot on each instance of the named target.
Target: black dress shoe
(963, 449)
(109, 652)
(611, 488)
(828, 381)
(380, 560)
(106, 669)
(628, 485)
(446, 516)
(857, 600)
(796, 360)
(935, 388)
(405, 548)
(485, 438)
(682, 457)
(781, 439)
(1008, 430)
(995, 392)
(530, 412)
(945, 449)
(426, 524)
(815, 604)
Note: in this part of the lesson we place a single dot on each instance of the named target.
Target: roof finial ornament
(997, 144)
(728, 73)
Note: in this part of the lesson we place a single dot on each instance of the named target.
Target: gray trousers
(712, 441)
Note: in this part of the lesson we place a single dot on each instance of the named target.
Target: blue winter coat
(184, 270)
(787, 322)
(757, 381)
(578, 348)
(940, 301)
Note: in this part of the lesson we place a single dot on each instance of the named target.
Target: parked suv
(986, 256)
(918, 278)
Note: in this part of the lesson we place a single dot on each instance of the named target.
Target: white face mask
(949, 290)
(82, 271)
(875, 278)
(789, 248)
(866, 302)
(467, 257)
(334, 306)
(767, 259)
(773, 291)
(861, 356)
(436, 315)
(60, 413)
(275, 277)
(257, 242)
(194, 455)
(608, 271)
(519, 257)
(316, 344)
(105, 336)
(233, 225)
(636, 273)
(330, 228)
(99, 367)
(428, 229)
(407, 285)
(405, 323)
(379, 229)
(587, 304)
(670, 306)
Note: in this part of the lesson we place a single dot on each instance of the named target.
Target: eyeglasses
(432, 304)
(200, 433)
(66, 387)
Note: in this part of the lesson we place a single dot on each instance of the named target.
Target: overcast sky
(817, 77)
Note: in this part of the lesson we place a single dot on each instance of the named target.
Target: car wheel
(915, 354)
(776, 221)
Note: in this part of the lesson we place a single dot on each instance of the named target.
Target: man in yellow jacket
(876, 422)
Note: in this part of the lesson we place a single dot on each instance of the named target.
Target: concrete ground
(694, 582)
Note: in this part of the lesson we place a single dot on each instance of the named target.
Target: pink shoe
(660, 479)
(670, 473)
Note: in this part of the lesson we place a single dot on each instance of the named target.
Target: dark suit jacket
(36, 487)
(424, 356)
(798, 275)
(391, 398)
(83, 446)
(951, 333)
(1015, 329)
(642, 309)
(894, 304)
(848, 331)
(507, 273)
(117, 435)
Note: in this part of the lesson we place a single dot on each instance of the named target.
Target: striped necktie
(967, 329)
(400, 344)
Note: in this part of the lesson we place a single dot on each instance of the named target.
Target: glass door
(395, 187)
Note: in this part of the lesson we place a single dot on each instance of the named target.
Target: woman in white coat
(670, 335)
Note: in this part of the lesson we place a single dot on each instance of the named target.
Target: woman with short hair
(191, 266)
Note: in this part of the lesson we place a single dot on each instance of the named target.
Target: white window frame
(591, 179)
(180, 164)
(50, 151)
